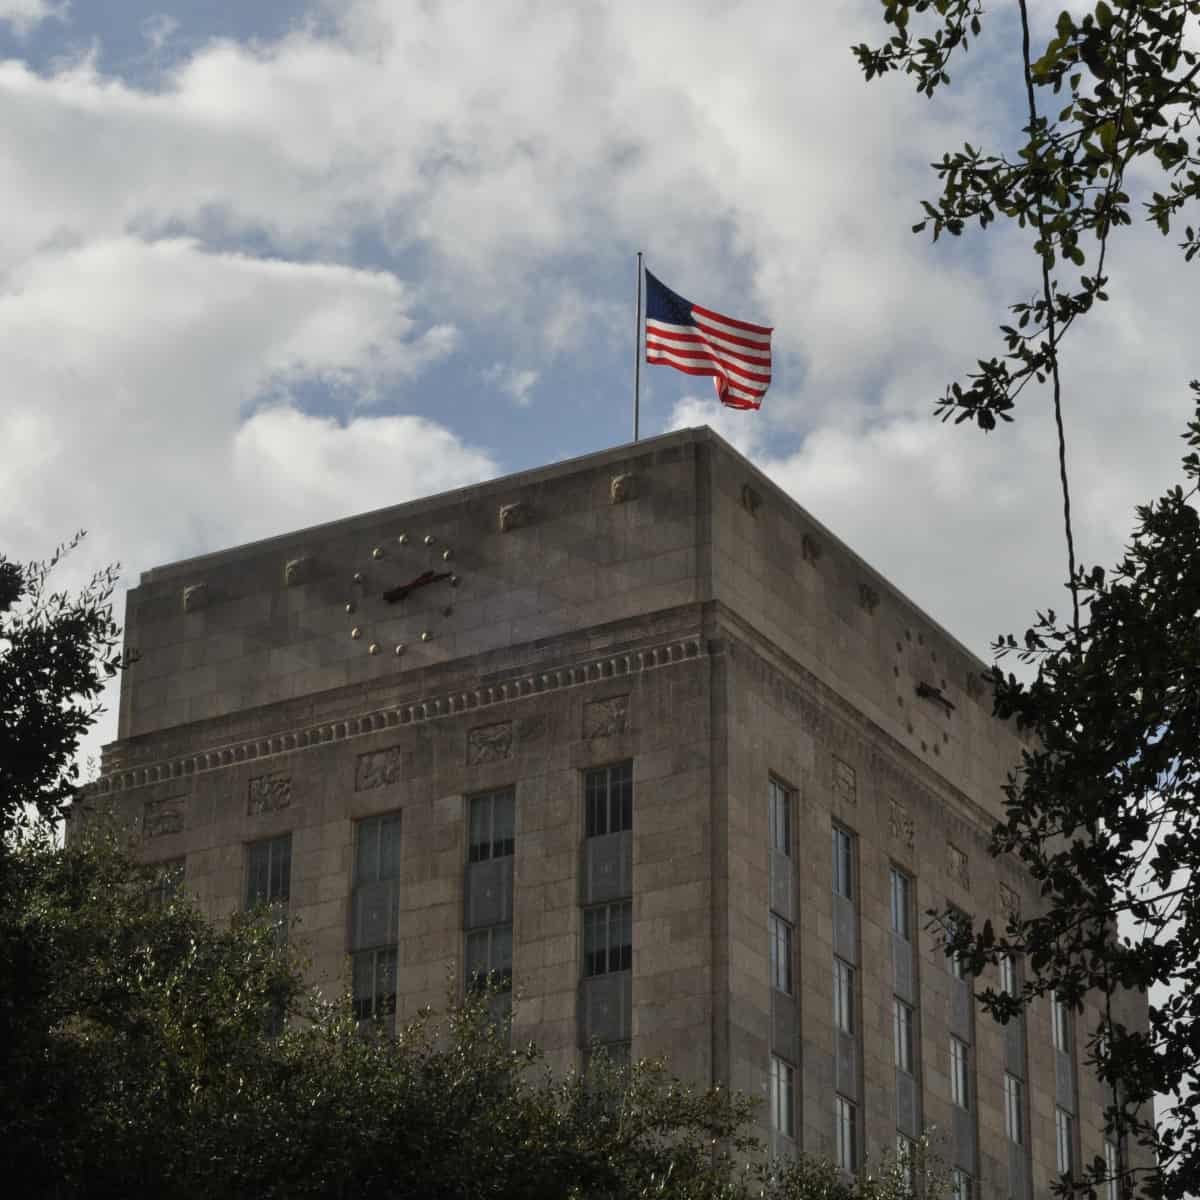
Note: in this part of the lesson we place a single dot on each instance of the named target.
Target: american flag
(697, 340)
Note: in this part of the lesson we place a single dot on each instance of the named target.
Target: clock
(402, 595)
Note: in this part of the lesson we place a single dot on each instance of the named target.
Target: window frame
(844, 1000)
(844, 874)
(166, 884)
(902, 882)
(618, 914)
(271, 844)
(491, 847)
(1009, 984)
(779, 800)
(375, 1011)
(378, 871)
(1014, 1108)
(960, 1073)
(1060, 1024)
(615, 798)
(474, 980)
(783, 1097)
(781, 939)
(962, 1184)
(846, 1133)
(1112, 1165)
(1064, 1141)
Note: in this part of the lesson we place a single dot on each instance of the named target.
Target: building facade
(637, 733)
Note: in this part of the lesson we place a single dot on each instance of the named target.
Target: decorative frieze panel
(489, 743)
(1010, 903)
(845, 782)
(161, 817)
(377, 769)
(268, 793)
(606, 718)
(901, 825)
(622, 488)
(958, 866)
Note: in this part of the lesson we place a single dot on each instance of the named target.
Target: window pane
(1008, 975)
(258, 873)
(622, 936)
(1014, 1119)
(781, 817)
(1064, 1141)
(843, 863)
(781, 955)
(481, 829)
(389, 846)
(502, 827)
(596, 803)
(960, 1185)
(846, 1148)
(1061, 1025)
(900, 904)
(281, 869)
(595, 941)
(1113, 1188)
(959, 1076)
(782, 1086)
(843, 995)
(903, 1029)
(621, 777)
(367, 852)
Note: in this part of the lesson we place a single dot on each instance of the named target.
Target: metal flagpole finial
(637, 349)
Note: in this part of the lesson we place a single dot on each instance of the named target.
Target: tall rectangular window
(901, 904)
(1008, 975)
(269, 871)
(783, 1083)
(781, 817)
(608, 938)
(1060, 1024)
(902, 1029)
(376, 863)
(374, 983)
(377, 849)
(1113, 1187)
(608, 799)
(960, 1078)
(1064, 1141)
(906, 1157)
(845, 1120)
(843, 862)
(781, 955)
(166, 884)
(1014, 1108)
(961, 1185)
(843, 995)
(489, 956)
(953, 962)
(491, 826)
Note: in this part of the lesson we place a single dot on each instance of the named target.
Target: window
(960, 1085)
(1014, 1108)
(783, 1078)
(781, 955)
(1008, 975)
(1112, 1189)
(1060, 1024)
(375, 983)
(1064, 1141)
(961, 1185)
(377, 852)
(954, 964)
(166, 884)
(902, 1027)
(489, 953)
(491, 826)
(845, 1116)
(269, 871)
(901, 905)
(781, 817)
(906, 1157)
(608, 938)
(843, 862)
(843, 995)
(608, 799)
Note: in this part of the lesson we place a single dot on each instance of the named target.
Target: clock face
(402, 595)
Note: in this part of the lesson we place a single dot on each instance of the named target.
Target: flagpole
(637, 349)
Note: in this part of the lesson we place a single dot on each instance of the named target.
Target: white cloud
(23, 15)
(515, 382)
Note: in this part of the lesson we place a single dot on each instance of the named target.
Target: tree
(1103, 809)
(142, 1046)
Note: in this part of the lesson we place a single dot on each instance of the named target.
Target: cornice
(439, 706)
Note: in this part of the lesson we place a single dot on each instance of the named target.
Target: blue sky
(267, 264)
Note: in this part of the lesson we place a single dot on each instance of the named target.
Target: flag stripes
(699, 341)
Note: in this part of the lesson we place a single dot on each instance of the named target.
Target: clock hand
(392, 595)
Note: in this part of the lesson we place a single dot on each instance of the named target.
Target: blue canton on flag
(696, 340)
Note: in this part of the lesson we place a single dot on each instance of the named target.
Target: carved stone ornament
(868, 597)
(297, 571)
(512, 516)
(531, 729)
(606, 718)
(810, 549)
(975, 685)
(268, 793)
(1010, 903)
(622, 488)
(489, 743)
(751, 500)
(901, 826)
(958, 866)
(195, 597)
(845, 782)
(163, 816)
(377, 769)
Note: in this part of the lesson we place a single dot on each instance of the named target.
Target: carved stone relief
(622, 488)
(751, 500)
(377, 769)
(901, 825)
(606, 718)
(164, 816)
(489, 743)
(195, 597)
(512, 516)
(1010, 903)
(958, 866)
(297, 571)
(845, 782)
(268, 793)
(868, 597)
(531, 729)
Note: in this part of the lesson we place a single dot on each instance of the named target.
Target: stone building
(639, 730)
